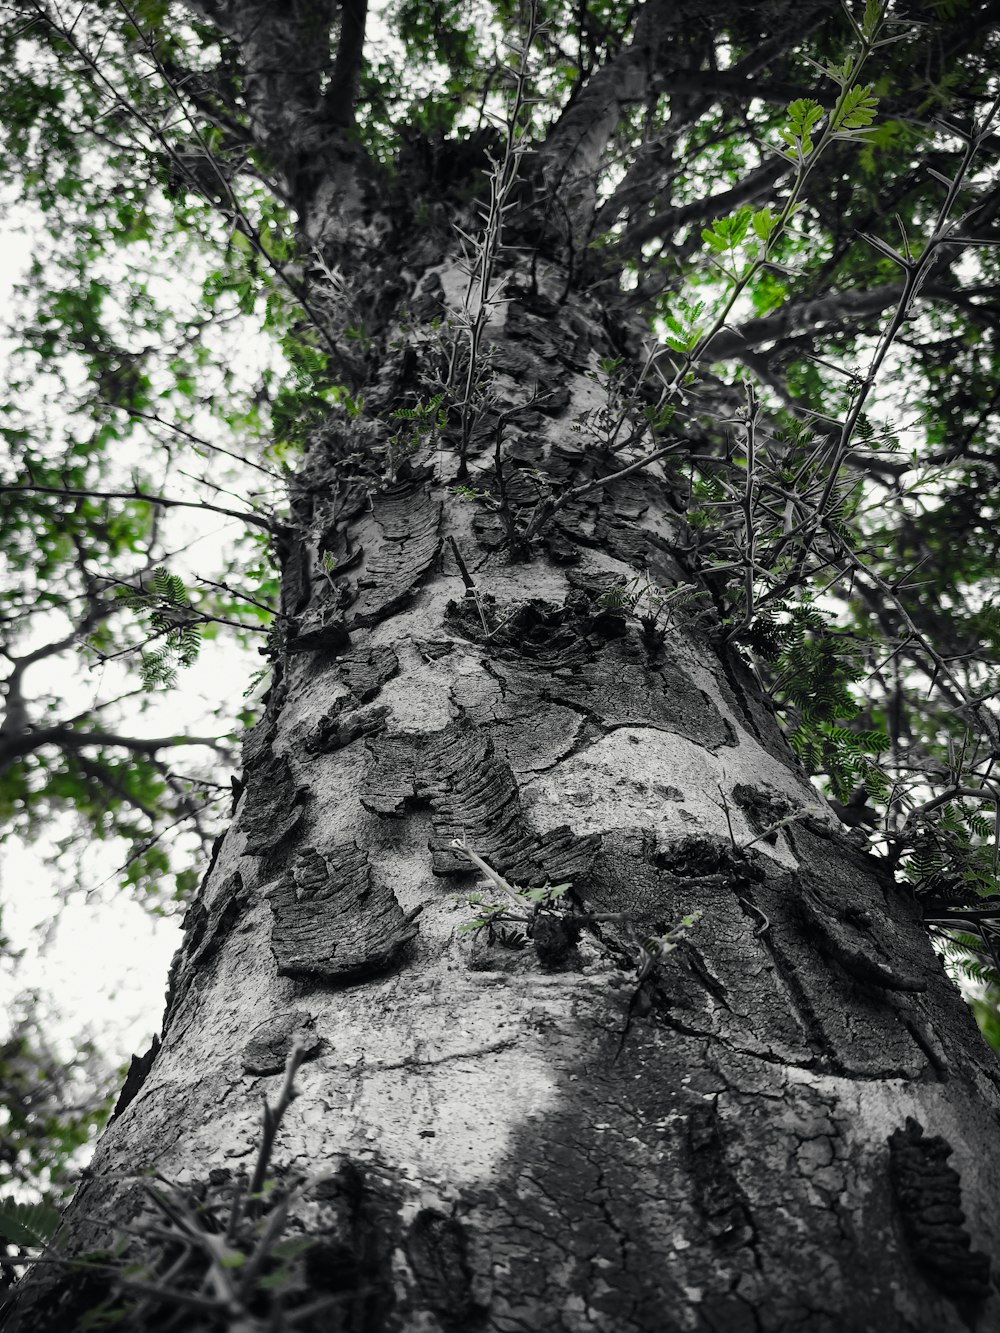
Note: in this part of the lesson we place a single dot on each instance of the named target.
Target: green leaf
(839, 73)
(803, 115)
(275, 1281)
(872, 18)
(31, 1224)
(857, 109)
(764, 223)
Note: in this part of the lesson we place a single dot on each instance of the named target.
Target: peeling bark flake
(268, 1048)
(136, 1077)
(204, 931)
(408, 518)
(718, 1196)
(473, 795)
(272, 807)
(929, 1194)
(333, 921)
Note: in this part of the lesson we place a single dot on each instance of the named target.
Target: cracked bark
(520, 1138)
(536, 1149)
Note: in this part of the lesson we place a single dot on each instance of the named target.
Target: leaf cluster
(165, 602)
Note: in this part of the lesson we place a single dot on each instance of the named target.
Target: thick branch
(758, 184)
(736, 84)
(579, 137)
(166, 501)
(340, 95)
(828, 314)
(302, 129)
(65, 738)
(285, 50)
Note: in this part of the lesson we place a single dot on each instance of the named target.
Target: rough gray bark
(788, 1124)
(524, 1138)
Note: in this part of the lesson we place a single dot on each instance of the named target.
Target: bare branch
(165, 501)
(66, 738)
(758, 184)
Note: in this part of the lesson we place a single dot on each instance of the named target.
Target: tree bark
(560, 1128)
(527, 1137)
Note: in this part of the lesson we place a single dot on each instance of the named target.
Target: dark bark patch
(571, 332)
(539, 734)
(490, 532)
(273, 804)
(205, 929)
(520, 363)
(473, 795)
(693, 858)
(136, 1077)
(843, 949)
(268, 1048)
(436, 1248)
(560, 550)
(294, 557)
(408, 518)
(333, 921)
(762, 808)
(585, 657)
(631, 694)
(720, 981)
(322, 629)
(530, 733)
(625, 879)
(365, 671)
(353, 1256)
(717, 1194)
(555, 941)
(741, 693)
(390, 784)
(335, 730)
(928, 1193)
(258, 741)
(618, 528)
(845, 934)
(498, 949)
(544, 632)
(331, 1267)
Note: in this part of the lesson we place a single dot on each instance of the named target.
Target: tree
(593, 1014)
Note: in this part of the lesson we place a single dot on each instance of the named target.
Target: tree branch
(65, 738)
(826, 314)
(579, 137)
(339, 98)
(166, 501)
(285, 50)
(759, 183)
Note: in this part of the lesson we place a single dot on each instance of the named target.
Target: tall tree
(593, 1014)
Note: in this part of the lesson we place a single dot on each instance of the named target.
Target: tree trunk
(555, 1124)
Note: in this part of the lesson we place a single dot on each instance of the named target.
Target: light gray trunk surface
(525, 1138)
